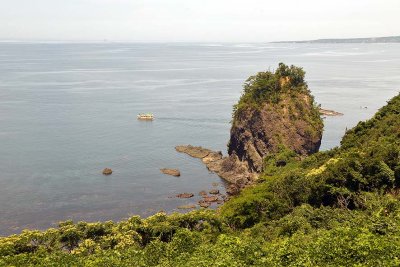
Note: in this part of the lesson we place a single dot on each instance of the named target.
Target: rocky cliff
(276, 111)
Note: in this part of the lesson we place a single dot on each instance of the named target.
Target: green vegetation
(335, 208)
(270, 87)
(368, 162)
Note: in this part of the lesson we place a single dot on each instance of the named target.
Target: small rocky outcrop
(185, 195)
(203, 193)
(228, 168)
(328, 112)
(107, 171)
(193, 151)
(214, 192)
(173, 172)
(210, 198)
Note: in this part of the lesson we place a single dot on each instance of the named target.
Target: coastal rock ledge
(228, 168)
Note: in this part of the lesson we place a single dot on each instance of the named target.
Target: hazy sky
(196, 20)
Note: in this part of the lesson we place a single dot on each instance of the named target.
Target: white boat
(145, 116)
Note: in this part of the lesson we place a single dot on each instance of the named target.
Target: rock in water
(173, 172)
(214, 192)
(210, 198)
(107, 171)
(276, 110)
(203, 193)
(185, 195)
(276, 113)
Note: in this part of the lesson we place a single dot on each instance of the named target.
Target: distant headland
(387, 39)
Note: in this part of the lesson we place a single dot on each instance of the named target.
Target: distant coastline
(387, 39)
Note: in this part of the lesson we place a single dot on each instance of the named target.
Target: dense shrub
(269, 87)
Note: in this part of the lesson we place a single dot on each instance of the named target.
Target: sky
(196, 20)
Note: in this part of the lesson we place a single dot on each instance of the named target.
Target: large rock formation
(256, 133)
(276, 112)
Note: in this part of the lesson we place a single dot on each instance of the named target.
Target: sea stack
(275, 112)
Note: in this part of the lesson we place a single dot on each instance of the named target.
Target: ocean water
(69, 110)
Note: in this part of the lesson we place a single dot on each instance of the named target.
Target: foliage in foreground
(334, 208)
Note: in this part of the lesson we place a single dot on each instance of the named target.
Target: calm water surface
(69, 110)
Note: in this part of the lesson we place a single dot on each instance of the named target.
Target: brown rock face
(256, 133)
(229, 168)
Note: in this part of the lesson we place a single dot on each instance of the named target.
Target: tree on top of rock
(268, 86)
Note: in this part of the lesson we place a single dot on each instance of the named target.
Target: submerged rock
(210, 198)
(203, 193)
(185, 195)
(173, 172)
(214, 192)
(107, 171)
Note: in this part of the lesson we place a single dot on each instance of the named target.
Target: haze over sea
(69, 110)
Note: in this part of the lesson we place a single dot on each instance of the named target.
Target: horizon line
(105, 40)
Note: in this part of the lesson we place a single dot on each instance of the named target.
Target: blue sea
(68, 110)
